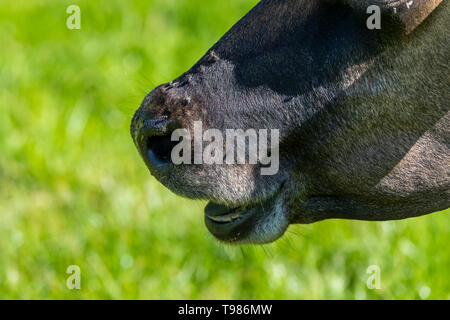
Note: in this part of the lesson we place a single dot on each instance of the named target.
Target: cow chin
(242, 208)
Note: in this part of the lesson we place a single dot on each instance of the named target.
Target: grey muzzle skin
(152, 135)
(363, 116)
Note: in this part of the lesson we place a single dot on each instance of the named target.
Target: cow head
(313, 71)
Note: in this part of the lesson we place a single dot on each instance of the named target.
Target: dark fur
(363, 115)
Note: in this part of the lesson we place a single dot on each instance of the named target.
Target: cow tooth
(236, 215)
(227, 217)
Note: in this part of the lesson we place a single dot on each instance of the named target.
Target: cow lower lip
(230, 226)
(222, 214)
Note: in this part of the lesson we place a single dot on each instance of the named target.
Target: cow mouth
(235, 223)
(229, 223)
(223, 214)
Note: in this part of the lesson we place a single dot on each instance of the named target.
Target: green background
(73, 190)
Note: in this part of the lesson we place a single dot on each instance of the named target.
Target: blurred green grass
(73, 190)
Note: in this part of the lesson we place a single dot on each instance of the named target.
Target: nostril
(159, 149)
(155, 140)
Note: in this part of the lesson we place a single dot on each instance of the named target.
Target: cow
(362, 114)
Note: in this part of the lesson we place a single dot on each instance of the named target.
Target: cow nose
(155, 141)
(152, 126)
